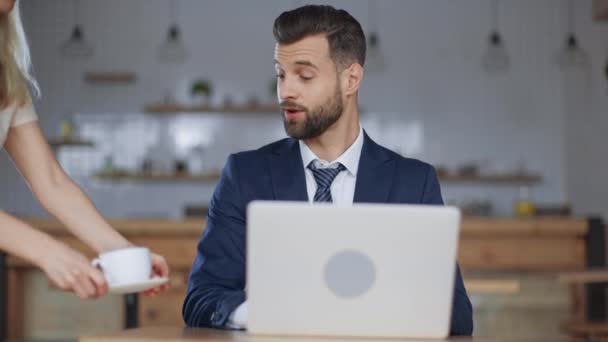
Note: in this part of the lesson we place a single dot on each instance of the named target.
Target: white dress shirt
(343, 186)
(342, 194)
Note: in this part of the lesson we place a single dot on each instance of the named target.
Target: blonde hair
(16, 79)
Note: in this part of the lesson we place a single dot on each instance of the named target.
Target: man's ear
(351, 79)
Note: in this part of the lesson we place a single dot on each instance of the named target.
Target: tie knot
(325, 176)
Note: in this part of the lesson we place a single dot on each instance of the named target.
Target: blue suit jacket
(275, 172)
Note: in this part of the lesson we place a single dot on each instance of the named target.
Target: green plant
(202, 87)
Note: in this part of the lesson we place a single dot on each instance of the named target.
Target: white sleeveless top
(13, 116)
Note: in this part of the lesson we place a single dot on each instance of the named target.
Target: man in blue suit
(319, 59)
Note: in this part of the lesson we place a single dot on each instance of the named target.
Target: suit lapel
(374, 177)
(375, 174)
(287, 172)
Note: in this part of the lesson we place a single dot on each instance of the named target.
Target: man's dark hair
(344, 33)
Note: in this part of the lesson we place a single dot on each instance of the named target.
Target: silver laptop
(370, 270)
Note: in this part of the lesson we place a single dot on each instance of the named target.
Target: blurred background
(144, 100)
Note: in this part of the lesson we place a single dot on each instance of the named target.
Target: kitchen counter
(547, 243)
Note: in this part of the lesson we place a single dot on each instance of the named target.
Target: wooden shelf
(500, 179)
(161, 178)
(109, 77)
(175, 108)
(214, 176)
(60, 142)
(493, 286)
(585, 277)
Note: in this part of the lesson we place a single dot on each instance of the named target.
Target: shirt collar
(350, 157)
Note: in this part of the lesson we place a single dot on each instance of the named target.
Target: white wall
(434, 77)
(586, 106)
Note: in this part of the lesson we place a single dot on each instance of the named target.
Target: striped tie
(324, 177)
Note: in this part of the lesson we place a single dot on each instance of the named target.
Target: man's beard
(316, 121)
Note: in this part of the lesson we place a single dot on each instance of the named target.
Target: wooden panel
(52, 314)
(163, 310)
(578, 301)
(531, 314)
(515, 254)
(497, 228)
(15, 303)
(179, 252)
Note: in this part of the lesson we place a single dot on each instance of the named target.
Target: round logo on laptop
(349, 273)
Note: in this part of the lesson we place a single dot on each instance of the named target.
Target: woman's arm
(57, 193)
(61, 197)
(66, 268)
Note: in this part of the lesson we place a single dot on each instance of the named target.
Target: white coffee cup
(125, 266)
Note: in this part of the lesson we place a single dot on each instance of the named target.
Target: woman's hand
(160, 268)
(71, 271)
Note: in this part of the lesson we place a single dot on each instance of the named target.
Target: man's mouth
(292, 112)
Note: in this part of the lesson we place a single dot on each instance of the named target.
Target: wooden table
(170, 334)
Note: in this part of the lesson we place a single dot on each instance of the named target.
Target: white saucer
(138, 287)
